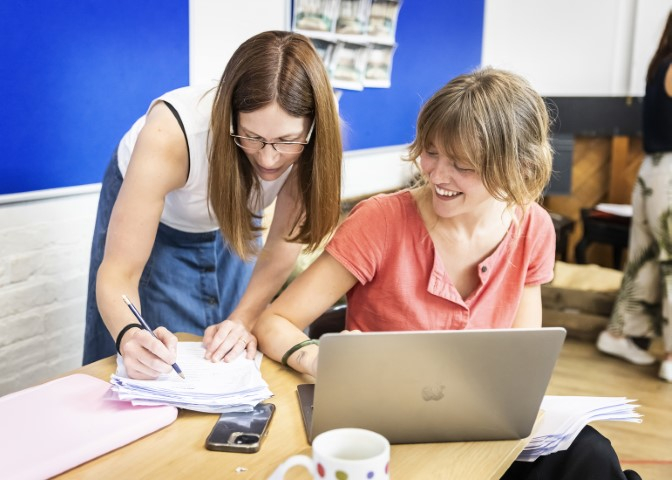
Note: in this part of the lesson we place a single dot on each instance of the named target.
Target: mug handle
(302, 460)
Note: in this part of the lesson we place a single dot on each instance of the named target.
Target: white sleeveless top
(188, 208)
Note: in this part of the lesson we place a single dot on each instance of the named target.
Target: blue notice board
(436, 40)
(75, 76)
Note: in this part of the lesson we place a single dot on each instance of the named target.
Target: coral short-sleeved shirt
(403, 285)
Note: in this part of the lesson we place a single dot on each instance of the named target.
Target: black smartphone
(241, 432)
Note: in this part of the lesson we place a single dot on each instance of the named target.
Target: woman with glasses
(179, 219)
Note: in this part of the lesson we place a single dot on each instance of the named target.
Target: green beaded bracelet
(296, 347)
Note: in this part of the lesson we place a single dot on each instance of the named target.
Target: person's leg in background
(665, 242)
(666, 273)
(637, 306)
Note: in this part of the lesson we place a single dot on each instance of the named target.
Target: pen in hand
(146, 327)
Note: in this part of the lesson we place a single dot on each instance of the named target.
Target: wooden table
(178, 450)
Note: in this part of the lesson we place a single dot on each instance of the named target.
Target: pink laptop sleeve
(48, 429)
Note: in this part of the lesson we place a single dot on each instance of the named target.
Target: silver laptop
(432, 386)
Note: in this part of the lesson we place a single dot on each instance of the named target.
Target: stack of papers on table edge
(565, 416)
(620, 210)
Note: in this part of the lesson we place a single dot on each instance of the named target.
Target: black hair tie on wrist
(123, 331)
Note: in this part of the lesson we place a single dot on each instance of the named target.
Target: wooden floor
(645, 447)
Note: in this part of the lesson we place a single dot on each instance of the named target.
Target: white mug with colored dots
(343, 454)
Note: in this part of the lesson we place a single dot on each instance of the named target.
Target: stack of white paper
(564, 417)
(209, 387)
(615, 209)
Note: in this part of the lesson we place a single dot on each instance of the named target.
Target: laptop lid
(432, 386)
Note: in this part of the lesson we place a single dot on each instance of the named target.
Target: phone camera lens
(246, 439)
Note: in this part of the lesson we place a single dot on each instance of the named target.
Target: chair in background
(604, 228)
(564, 226)
(331, 321)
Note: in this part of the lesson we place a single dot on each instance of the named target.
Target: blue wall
(75, 75)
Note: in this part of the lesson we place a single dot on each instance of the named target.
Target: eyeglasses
(256, 145)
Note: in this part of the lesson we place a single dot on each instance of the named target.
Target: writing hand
(146, 357)
(228, 339)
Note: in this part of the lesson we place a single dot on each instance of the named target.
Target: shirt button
(212, 300)
(209, 269)
(484, 269)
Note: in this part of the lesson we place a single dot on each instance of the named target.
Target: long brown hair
(283, 67)
(496, 123)
(664, 49)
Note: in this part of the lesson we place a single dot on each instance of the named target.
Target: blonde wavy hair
(496, 123)
(281, 67)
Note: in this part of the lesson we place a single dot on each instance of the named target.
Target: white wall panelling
(650, 18)
(44, 255)
(218, 27)
(565, 47)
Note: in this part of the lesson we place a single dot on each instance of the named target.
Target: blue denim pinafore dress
(191, 280)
